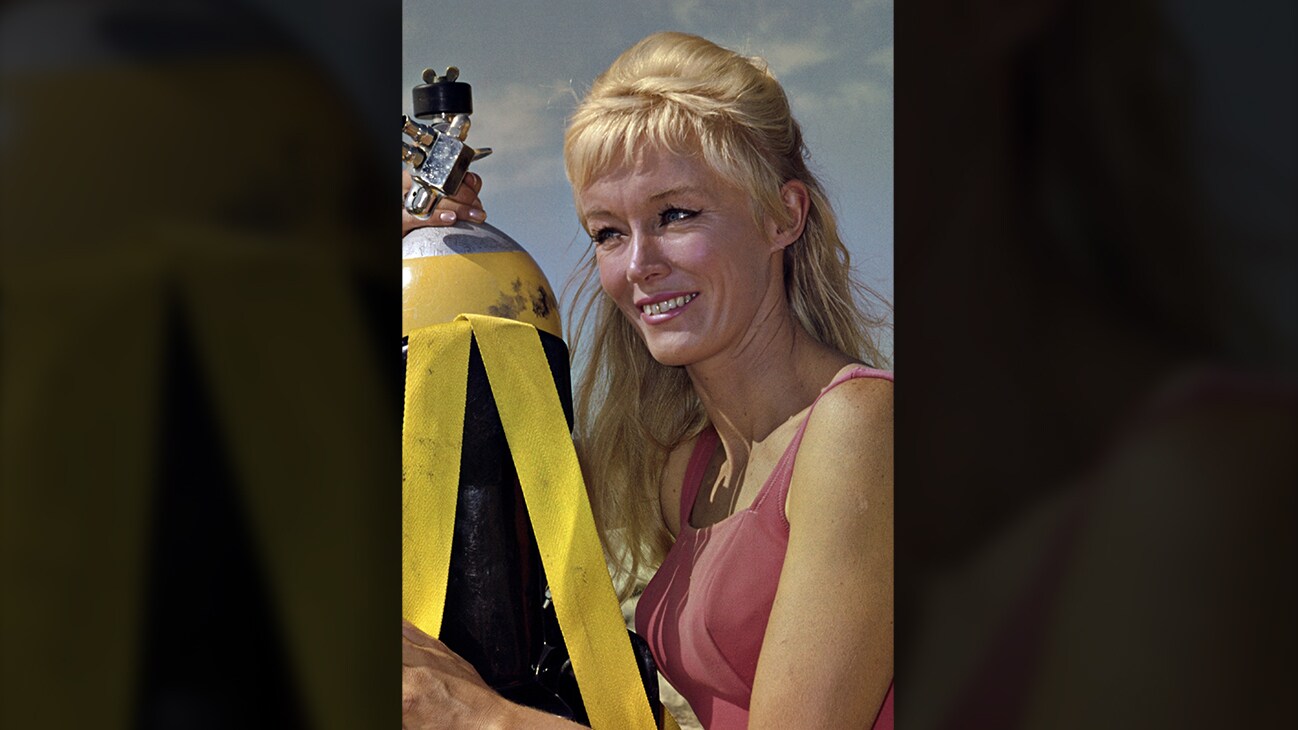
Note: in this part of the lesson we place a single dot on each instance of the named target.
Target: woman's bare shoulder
(853, 406)
(846, 450)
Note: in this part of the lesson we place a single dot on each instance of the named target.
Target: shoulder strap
(704, 447)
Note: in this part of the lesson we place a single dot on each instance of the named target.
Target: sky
(529, 63)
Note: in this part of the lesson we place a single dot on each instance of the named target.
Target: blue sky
(530, 62)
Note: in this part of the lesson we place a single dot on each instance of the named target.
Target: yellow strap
(552, 485)
(565, 528)
(431, 435)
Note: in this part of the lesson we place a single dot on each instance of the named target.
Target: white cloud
(788, 57)
(865, 7)
(854, 98)
(524, 170)
(865, 94)
(523, 124)
(882, 59)
(688, 13)
(518, 116)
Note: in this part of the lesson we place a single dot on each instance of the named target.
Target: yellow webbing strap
(437, 372)
(546, 462)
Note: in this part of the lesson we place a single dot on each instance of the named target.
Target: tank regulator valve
(437, 154)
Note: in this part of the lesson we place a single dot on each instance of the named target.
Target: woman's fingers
(413, 655)
(418, 648)
(412, 633)
(472, 183)
(464, 205)
(421, 650)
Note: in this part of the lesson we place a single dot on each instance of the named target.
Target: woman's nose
(647, 261)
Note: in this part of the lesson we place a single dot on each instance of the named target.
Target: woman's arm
(827, 656)
(464, 205)
(441, 690)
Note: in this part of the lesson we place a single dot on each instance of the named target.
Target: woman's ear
(797, 202)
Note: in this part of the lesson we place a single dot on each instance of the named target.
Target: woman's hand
(465, 205)
(441, 690)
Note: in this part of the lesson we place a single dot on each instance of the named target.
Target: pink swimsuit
(705, 611)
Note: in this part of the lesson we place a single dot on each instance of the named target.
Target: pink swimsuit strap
(704, 447)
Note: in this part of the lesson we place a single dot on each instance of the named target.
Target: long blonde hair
(685, 94)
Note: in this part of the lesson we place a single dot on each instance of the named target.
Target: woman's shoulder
(855, 402)
(852, 414)
(858, 397)
(846, 448)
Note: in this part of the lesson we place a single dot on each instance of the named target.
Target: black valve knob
(442, 95)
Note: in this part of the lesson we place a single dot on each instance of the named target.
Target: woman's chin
(671, 354)
(669, 361)
(673, 349)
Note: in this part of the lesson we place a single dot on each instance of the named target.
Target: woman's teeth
(668, 305)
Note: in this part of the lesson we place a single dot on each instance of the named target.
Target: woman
(726, 342)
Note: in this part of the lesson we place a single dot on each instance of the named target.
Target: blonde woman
(735, 429)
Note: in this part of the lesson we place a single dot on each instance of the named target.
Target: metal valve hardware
(437, 153)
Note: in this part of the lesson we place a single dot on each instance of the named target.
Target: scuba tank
(498, 615)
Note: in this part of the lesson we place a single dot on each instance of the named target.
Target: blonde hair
(687, 95)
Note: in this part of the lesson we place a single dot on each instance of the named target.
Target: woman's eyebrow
(674, 192)
(669, 193)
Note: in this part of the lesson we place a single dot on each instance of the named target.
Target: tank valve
(437, 154)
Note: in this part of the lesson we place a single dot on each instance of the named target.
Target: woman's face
(681, 256)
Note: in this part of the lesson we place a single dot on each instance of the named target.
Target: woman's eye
(603, 235)
(672, 215)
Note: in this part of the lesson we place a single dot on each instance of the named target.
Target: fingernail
(477, 215)
(447, 216)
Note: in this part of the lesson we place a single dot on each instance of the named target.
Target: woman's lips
(656, 310)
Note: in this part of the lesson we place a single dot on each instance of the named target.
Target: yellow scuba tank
(468, 267)
(472, 267)
(497, 614)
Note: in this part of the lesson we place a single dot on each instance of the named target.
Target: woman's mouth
(663, 310)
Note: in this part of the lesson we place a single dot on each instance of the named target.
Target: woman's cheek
(612, 278)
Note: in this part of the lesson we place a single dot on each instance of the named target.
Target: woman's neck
(752, 391)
